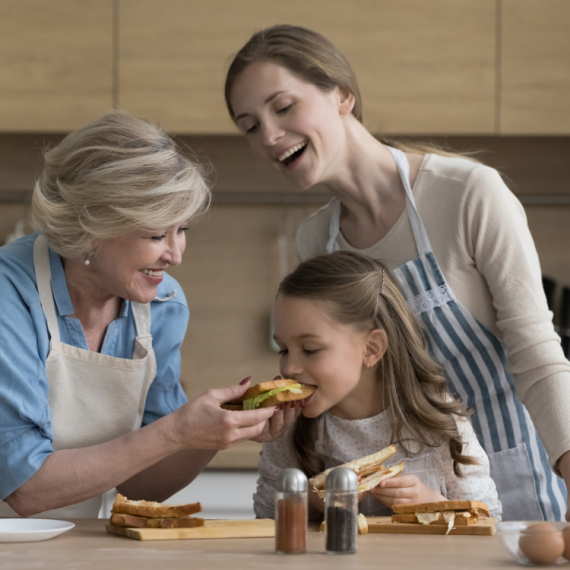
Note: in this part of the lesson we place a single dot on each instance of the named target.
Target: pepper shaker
(291, 512)
(341, 511)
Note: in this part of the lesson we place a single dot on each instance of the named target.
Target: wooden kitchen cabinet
(56, 63)
(535, 67)
(422, 67)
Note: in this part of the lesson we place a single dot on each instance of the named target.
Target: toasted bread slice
(122, 505)
(360, 466)
(119, 519)
(280, 398)
(374, 479)
(472, 506)
(462, 518)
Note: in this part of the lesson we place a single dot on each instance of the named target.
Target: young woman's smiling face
(317, 350)
(290, 123)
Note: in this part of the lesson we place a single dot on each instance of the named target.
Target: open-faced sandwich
(148, 514)
(269, 394)
(370, 471)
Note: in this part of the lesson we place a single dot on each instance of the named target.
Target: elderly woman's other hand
(203, 424)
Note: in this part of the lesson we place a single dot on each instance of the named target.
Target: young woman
(455, 234)
(343, 325)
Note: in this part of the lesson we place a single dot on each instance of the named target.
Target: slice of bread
(151, 509)
(374, 479)
(440, 506)
(462, 518)
(360, 466)
(133, 521)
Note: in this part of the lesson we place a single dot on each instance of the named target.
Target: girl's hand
(203, 424)
(405, 489)
(279, 423)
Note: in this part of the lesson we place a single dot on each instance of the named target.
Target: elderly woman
(91, 328)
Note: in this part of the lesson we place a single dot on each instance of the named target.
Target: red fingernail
(245, 380)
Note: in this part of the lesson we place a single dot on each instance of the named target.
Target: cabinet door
(535, 67)
(423, 67)
(56, 63)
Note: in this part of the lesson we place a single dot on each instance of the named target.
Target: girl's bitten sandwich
(370, 471)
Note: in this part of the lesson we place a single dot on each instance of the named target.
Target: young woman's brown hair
(363, 292)
(318, 61)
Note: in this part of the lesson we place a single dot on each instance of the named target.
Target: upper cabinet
(438, 67)
(422, 67)
(56, 63)
(535, 64)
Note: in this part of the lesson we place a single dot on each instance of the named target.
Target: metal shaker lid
(341, 479)
(291, 480)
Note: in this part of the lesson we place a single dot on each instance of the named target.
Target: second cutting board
(255, 528)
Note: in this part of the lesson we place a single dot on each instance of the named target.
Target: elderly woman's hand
(203, 424)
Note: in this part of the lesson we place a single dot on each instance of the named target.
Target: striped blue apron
(476, 367)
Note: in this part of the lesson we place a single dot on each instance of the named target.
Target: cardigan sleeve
(500, 242)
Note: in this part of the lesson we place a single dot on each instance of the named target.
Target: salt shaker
(341, 511)
(291, 512)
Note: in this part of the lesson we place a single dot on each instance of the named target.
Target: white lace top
(342, 440)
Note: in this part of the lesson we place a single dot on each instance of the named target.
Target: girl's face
(317, 350)
(131, 266)
(291, 124)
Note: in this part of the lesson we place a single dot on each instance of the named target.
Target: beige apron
(93, 397)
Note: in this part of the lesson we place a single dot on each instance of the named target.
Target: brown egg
(566, 535)
(541, 543)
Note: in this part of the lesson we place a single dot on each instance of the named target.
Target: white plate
(28, 530)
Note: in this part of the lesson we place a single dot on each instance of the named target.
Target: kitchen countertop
(88, 546)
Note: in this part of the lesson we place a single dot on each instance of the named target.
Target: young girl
(343, 325)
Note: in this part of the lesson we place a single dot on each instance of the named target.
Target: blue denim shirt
(25, 417)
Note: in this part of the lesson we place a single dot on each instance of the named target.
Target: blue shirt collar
(61, 293)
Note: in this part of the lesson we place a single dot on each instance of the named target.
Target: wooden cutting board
(385, 524)
(255, 528)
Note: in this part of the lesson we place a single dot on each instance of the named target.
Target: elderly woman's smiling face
(131, 266)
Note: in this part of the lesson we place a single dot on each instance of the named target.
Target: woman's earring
(87, 261)
(368, 365)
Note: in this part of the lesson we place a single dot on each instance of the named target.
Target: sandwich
(149, 514)
(450, 513)
(370, 471)
(269, 394)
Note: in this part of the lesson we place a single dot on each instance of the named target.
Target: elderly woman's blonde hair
(117, 175)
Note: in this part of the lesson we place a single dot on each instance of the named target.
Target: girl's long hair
(364, 293)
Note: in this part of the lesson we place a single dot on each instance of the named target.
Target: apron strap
(141, 314)
(422, 241)
(43, 278)
(334, 229)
